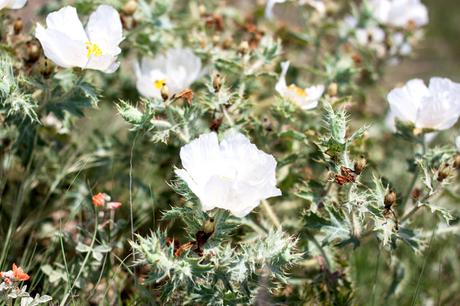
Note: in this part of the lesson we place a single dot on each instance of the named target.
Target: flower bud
(164, 92)
(443, 172)
(360, 164)
(217, 82)
(332, 89)
(130, 7)
(390, 199)
(18, 26)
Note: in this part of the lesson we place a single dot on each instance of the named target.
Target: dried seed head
(443, 172)
(360, 164)
(18, 26)
(130, 7)
(390, 199)
(47, 68)
(416, 193)
(217, 82)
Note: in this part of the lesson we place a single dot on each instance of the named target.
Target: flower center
(93, 49)
(297, 90)
(159, 84)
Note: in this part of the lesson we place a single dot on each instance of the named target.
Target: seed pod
(209, 226)
(130, 7)
(390, 199)
(217, 82)
(360, 164)
(33, 52)
(164, 92)
(443, 172)
(243, 48)
(457, 161)
(332, 89)
(47, 68)
(18, 26)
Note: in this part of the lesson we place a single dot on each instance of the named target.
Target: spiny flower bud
(217, 82)
(443, 172)
(390, 199)
(164, 92)
(18, 26)
(332, 89)
(360, 164)
(130, 7)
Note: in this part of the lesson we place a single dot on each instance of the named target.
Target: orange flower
(19, 274)
(99, 199)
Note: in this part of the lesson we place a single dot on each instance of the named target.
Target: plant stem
(271, 214)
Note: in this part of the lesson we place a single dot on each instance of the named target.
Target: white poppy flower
(305, 98)
(67, 44)
(434, 107)
(178, 69)
(400, 13)
(233, 175)
(12, 4)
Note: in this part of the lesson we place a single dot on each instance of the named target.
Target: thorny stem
(320, 248)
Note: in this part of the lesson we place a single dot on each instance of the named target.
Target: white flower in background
(12, 4)
(372, 37)
(177, 69)
(269, 7)
(400, 13)
(67, 44)
(434, 107)
(305, 98)
(233, 175)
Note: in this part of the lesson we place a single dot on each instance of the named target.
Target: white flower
(233, 175)
(435, 107)
(67, 44)
(400, 13)
(269, 7)
(305, 98)
(12, 4)
(178, 69)
(457, 143)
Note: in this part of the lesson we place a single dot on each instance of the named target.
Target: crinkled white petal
(405, 101)
(233, 175)
(435, 107)
(12, 4)
(399, 13)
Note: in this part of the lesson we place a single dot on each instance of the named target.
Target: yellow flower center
(159, 84)
(297, 90)
(93, 49)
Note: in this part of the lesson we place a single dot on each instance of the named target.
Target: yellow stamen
(93, 49)
(159, 84)
(297, 90)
